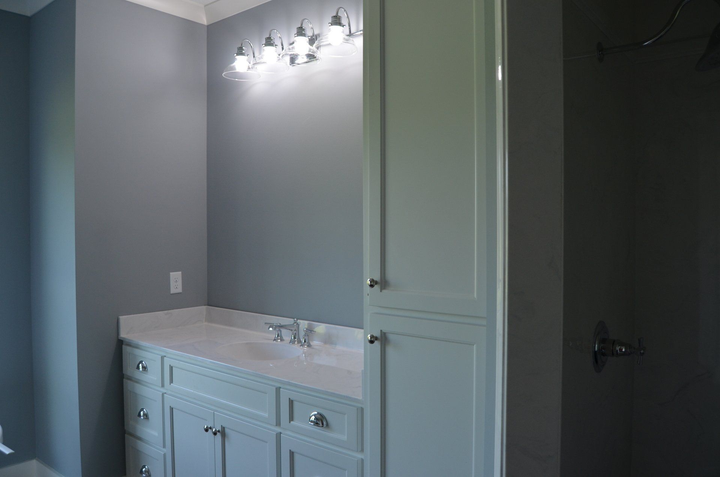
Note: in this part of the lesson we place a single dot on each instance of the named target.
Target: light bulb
(241, 63)
(302, 45)
(336, 35)
(269, 54)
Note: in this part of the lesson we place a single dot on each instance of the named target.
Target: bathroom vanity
(213, 392)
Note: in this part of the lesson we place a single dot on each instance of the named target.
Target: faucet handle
(277, 328)
(306, 338)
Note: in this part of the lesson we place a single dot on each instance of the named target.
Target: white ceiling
(200, 11)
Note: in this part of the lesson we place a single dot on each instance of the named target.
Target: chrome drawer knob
(145, 471)
(142, 367)
(372, 338)
(317, 420)
(143, 414)
(207, 428)
(215, 432)
(372, 283)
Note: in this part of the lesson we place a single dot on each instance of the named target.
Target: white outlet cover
(175, 283)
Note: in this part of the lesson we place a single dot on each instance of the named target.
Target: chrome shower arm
(602, 51)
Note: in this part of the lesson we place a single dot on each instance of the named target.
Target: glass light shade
(269, 63)
(269, 54)
(300, 52)
(241, 70)
(336, 43)
(336, 35)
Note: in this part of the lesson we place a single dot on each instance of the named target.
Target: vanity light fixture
(302, 50)
(269, 61)
(243, 68)
(335, 43)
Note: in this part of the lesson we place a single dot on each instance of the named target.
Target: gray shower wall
(676, 417)
(599, 247)
(642, 245)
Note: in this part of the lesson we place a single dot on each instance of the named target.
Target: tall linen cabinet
(431, 237)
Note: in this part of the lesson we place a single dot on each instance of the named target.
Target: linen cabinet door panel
(427, 147)
(245, 449)
(190, 449)
(426, 397)
(300, 459)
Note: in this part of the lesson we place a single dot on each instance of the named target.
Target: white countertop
(324, 367)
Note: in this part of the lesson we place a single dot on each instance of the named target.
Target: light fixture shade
(336, 46)
(242, 69)
(270, 61)
(336, 43)
(302, 50)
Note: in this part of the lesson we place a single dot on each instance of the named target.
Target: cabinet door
(191, 450)
(245, 449)
(426, 397)
(429, 133)
(300, 459)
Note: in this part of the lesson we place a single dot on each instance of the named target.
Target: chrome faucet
(278, 327)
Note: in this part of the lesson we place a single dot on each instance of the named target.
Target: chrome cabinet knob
(207, 428)
(143, 414)
(372, 283)
(372, 338)
(145, 471)
(215, 432)
(142, 367)
(317, 420)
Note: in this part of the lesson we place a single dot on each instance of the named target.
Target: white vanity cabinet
(203, 442)
(188, 418)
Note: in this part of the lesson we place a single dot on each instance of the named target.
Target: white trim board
(30, 468)
(24, 7)
(188, 9)
(206, 15)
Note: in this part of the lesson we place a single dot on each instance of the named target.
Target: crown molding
(24, 7)
(180, 8)
(206, 15)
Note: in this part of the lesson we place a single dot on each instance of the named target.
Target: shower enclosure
(642, 237)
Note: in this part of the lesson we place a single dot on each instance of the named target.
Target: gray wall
(52, 175)
(642, 246)
(285, 176)
(16, 391)
(140, 194)
(599, 248)
(535, 236)
(676, 418)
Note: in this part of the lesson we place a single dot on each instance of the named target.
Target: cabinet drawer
(139, 455)
(223, 391)
(300, 459)
(342, 422)
(142, 365)
(144, 413)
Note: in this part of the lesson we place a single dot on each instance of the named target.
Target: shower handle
(616, 348)
(604, 347)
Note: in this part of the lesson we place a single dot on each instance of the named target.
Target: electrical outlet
(175, 282)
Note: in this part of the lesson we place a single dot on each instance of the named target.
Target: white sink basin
(260, 351)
